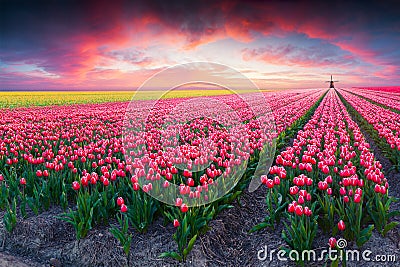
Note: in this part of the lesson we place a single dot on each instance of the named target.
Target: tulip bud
(22, 181)
(178, 202)
(332, 242)
(120, 201)
(357, 198)
(270, 183)
(184, 208)
(342, 191)
(291, 208)
(341, 225)
(124, 208)
(75, 185)
(329, 191)
(299, 210)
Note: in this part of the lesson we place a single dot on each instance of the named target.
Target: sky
(117, 45)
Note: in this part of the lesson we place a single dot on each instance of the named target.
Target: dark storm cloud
(37, 24)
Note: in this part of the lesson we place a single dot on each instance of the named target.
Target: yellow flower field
(26, 99)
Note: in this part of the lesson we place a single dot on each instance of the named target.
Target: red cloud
(79, 50)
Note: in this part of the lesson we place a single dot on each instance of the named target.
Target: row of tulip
(75, 156)
(328, 179)
(228, 159)
(381, 123)
(389, 100)
(393, 90)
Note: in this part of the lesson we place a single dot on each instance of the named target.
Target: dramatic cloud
(95, 44)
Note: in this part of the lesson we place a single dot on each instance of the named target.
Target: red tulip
(309, 167)
(342, 191)
(165, 184)
(291, 208)
(174, 170)
(264, 179)
(184, 208)
(357, 198)
(190, 182)
(377, 188)
(178, 202)
(75, 185)
(176, 223)
(270, 183)
(329, 191)
(293, 190)
(325, 169)
(299, 210)
(329, 179)
(120, 201)
(124, 208)
(383, 190)
(322, 185)
(332, 242)
(358, 191)
(307, 211)
(136, 186)
(22, 181)
(341, 225)
(303, 193)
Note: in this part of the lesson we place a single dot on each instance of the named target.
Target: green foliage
(191, 224)
(10, 217)
(122, 233)
(275, 207)
(82, 217)
(378, 209)
(141, 210)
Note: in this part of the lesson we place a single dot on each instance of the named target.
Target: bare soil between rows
(47, 241)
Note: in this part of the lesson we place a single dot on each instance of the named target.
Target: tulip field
(75, 161)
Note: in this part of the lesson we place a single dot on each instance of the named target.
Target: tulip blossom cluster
(395, 90)
(384, 121)
(324, 163)
(388, 99)
(194, 150)
(76, 152)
